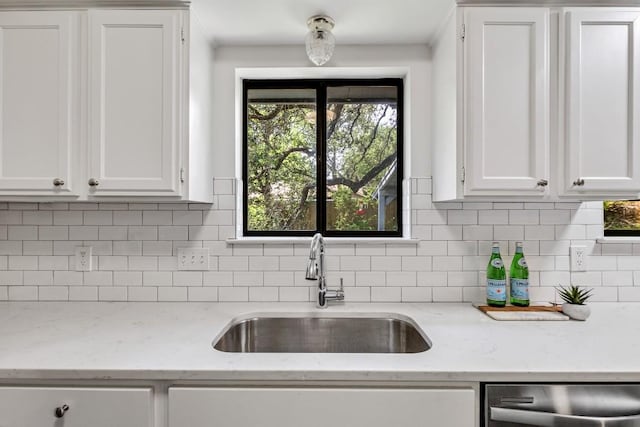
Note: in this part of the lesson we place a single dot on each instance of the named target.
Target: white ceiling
(269, 22)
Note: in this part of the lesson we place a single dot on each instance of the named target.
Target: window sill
(331, 241)
(619, 239)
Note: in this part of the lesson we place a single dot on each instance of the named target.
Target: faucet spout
(316, 270)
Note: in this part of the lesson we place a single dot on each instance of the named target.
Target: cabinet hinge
(182, 35)
(462, 175)
(181, 174)
(463, 34)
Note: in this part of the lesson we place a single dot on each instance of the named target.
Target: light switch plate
(193, 259)
(83, 258)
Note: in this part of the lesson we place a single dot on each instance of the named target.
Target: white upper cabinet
(491, 105)
(38, 102)
(94, 105)
(134, 102)
(602, 102)
(506, 101)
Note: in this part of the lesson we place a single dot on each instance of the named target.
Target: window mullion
(321, 151)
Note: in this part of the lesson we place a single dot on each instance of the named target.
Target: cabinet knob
(60, 410)
(93, 182)
(58, 182)
(578, 182)
(543, 183)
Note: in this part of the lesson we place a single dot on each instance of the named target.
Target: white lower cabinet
(321, 407)
(95, 407)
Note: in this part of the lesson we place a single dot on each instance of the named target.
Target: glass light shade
(320, 42)
(320, 45)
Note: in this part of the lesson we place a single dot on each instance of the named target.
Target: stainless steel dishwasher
(561, 405)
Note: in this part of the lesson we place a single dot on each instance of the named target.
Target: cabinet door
(281, 407)
(602, 101)
(134, 102)
(506, 101)
(38, 127)
(95, 407)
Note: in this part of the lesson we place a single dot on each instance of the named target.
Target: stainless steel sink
(362, 333)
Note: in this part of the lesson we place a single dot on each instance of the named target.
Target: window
(622, 217)
(338, 172)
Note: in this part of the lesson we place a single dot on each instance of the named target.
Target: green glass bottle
(496, 279)
(519, 278)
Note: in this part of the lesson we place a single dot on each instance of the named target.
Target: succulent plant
(574, 294)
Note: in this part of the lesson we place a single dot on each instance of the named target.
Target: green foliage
(574, 294)
(281, 138)
(621, 215)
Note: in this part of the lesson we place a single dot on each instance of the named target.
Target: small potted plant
(574, 298)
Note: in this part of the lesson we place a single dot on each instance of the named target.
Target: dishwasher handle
(550, 419)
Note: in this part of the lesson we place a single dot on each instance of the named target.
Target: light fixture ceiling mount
(320, 41)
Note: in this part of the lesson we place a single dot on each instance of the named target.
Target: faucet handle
(341, 285)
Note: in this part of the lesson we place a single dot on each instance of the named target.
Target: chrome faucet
(316, 270)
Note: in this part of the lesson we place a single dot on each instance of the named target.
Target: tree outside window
(622, 217)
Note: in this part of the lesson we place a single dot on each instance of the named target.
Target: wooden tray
(485, 308)
(533, 312)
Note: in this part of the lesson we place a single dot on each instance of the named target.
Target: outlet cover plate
(578, 258)
(83, 258)
(193, 259)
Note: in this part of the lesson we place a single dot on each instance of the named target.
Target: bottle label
(497, 262)
(522, 263)
(497, 289)
(520, 289)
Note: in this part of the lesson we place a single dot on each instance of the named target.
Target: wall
(135, 244)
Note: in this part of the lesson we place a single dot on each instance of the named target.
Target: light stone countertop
(173, 341)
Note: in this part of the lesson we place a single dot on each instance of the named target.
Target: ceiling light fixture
(320, 41)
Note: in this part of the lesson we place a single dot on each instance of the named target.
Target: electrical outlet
(83, 258)
(193, 258)
(578, 258)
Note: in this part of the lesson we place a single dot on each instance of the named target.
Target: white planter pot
(576, 311)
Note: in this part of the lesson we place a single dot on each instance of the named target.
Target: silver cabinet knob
(578, 182)
(58, 182)
(93, 182)
(60, 411)
(543, 183)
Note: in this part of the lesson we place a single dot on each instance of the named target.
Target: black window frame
(321, 85)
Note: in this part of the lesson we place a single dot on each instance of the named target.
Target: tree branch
(373, 172)
(290, 151)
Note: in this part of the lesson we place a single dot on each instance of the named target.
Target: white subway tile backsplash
(98, 218)
(127, 218)
(50, 293)
(448, 294)
(37, 218)
(146, 294)
(234, 294)
(127, 278)
(68, 278)
(174, 294)
(386, 294)
(416, 294)
(462, 217)
(83, 293)
(38, 278)
(135, 247)
(157, 278)
(493, 217)
(202, 294)
(23, 293)
(22, 232)
(11, 278)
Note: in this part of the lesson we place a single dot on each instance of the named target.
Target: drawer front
(310, 407)
(95, 407)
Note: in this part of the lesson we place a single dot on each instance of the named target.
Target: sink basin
(362, 333)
